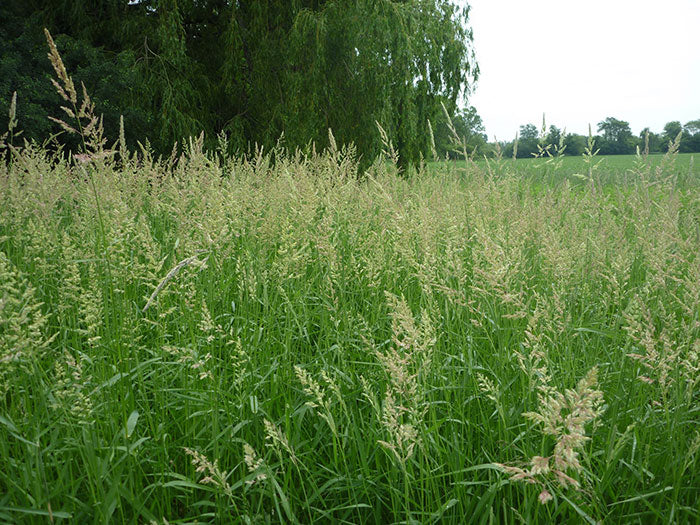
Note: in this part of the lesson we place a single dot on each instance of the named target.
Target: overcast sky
(580, 62)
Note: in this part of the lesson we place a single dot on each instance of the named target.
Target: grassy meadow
(272, 338)
(610, 169)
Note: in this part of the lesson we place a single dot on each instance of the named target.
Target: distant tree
(553, 136)
(671, 131)
(473, 126)
(529, 132)
(575, 144)
(488, 150)
(506, 148)
(617, 137)
(655, 141)
(692, 127)
(692, 130)
(692, 144)
(528, 139)
(469, 127)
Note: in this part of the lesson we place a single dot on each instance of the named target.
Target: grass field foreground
(242, 340)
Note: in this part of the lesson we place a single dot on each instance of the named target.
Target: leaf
(111, 381)
(445, 507)
(37, 512)
(131, 423)
(15, 431)
(642, 496)
(131, 449)
(9, 424)
(580, 511)
(284, 501)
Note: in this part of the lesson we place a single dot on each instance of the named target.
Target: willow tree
(305, 66)
(258, 69)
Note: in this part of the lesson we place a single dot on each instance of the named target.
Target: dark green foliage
(650, 141)
(689, 136)
(554, 135)
(528, 140)
(575, 144)
(469, 128)
(617, 137)
(692, 139)
(110, 78)
(671, 131)
(692, 127)
(691, 144)
(255, 70)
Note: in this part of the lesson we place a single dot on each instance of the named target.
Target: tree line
(257, 71)
(614, 138)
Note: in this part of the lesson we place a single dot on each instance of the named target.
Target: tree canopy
(617, 136)
(255, 70)
(468, 127)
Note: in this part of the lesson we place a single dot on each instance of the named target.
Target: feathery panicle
(213, 475)
(487, 387)
(67, 90)
(22, 324)
(192, 358)
(254, 463)
(69, 389)
(311, 389)
(563, 416)
(277, 440)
